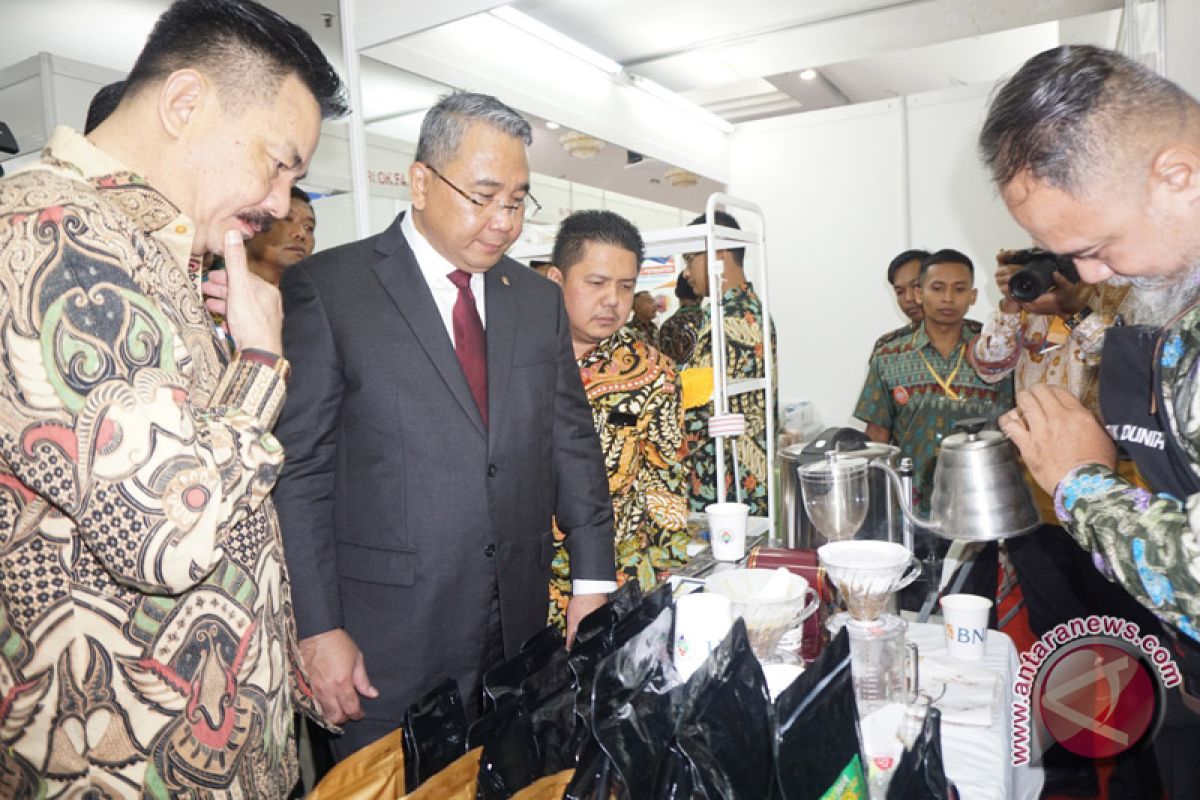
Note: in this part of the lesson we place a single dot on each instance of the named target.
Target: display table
(978, 759)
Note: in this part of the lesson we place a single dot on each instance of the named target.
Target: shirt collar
(129, 193)
(606, 349)
(434, 266)
(920, 338)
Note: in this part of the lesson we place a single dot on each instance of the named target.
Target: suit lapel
(406, 286)
(502, 309)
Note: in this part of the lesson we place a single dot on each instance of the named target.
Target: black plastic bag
(620, 603)
(626, 598)
(435, 733)
(673, 780)
(509, 761)
(635, 704)
(593, 774)
(725, 726)
(921, 773)
(538, 652)
(817, 740)
(549, 698)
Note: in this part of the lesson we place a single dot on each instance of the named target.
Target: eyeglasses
(527, 206)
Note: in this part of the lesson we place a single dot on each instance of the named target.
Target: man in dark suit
(435, 424)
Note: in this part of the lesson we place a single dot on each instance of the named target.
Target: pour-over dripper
(836, 496)
(868, 573)
(767, 613)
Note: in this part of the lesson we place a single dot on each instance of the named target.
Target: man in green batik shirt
(918, 386)
(744, 359)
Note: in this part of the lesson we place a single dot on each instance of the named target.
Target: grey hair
(444, 125)
(1072, 114)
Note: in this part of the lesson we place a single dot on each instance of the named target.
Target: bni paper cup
(702, 621)
(966, 619)
(727, 530)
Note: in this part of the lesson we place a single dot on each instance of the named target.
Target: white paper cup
(702, 621)
(966, 619)
(727, 530)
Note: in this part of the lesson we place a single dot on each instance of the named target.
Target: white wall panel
(831, 187)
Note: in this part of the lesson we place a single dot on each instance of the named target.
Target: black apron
(1131, 402)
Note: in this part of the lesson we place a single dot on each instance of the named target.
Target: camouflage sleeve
(96, 419)
(1145, 542)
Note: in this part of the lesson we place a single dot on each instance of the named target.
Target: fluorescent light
(550, 36)
(679, 101)
(808, 75)
(552, 125)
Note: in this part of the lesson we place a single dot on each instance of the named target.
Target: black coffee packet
(435, 733)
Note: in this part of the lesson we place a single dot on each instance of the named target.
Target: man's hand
(335, 667)
(253, 308)
(1005, 271)
(1064, 299)
(1055, 434)
(579, 607)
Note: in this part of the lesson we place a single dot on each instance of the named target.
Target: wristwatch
(1073, 321)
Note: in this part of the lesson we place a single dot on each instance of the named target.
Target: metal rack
(709, 238)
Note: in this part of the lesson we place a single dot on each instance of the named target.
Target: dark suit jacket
(400, 510)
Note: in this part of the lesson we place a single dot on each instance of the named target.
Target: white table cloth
(979, 759)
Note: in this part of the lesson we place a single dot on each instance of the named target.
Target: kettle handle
(905, 503)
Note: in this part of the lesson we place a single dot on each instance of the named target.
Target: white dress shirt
(436, 269)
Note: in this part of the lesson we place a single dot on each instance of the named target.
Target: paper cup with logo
(727, 530)
(966, 619)
(702, 621)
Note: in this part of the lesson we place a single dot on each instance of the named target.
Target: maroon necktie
(469, 340)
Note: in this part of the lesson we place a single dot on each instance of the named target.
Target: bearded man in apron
(1098, 158)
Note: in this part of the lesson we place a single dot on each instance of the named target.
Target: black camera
(1036, 275)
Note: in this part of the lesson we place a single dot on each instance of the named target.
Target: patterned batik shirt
(902, 394)
(147, 647)
(644, 328)
(899, 333)
(678, 333)
(744, 358)
(1149, 543)
(1016, 344)
(636, 409)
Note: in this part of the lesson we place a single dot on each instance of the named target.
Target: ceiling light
(681, 178)
(552, 37)
(552, 125)
(679, 101)
(581, 145)
(808, 75)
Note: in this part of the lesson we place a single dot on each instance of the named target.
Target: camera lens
(1032, 280)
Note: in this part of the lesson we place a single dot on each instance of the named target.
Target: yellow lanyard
(945, 383)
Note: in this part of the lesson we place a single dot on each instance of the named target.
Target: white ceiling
(740, 60)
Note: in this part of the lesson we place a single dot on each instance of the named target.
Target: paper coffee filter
(866, 573)
(754, 595)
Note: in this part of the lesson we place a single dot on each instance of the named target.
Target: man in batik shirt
(903, 274)
(642, 321)
(678, 333)
(634, 397)
(919, 386)
(744, 359)
(148, 643)
(1096, 157)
